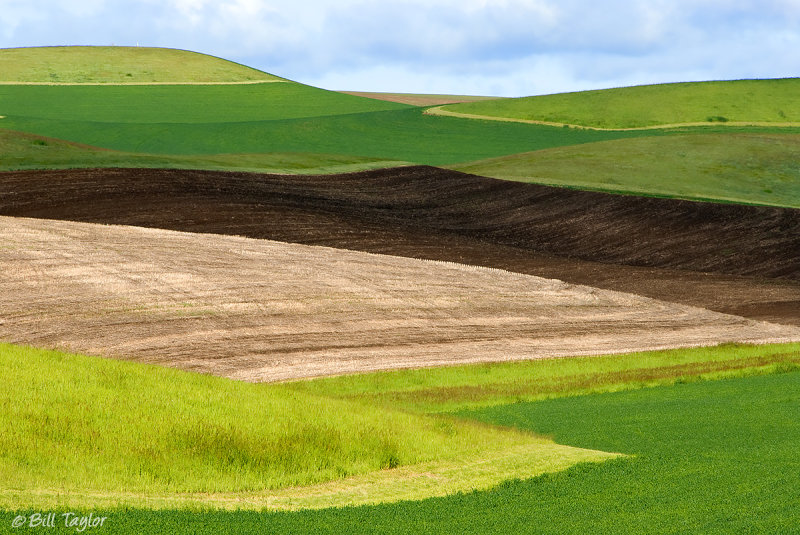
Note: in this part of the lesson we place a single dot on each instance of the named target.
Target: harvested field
(259, 310)
(735, 259)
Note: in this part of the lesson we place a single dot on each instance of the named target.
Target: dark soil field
(743, 260)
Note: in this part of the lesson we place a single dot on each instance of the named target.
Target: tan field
(260, 310)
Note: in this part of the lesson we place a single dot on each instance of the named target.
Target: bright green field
(706, 456)
(745, 168)
(456, 388)
(86, 431)
(749, 101)
(117, 64)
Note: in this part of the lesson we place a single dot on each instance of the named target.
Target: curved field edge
(82, 431)
(441, 111)
(745, 168)
(121, 65)
(414, 482)
(456, 388)
(770, 101)
(710, 457)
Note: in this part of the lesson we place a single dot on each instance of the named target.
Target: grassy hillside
(458, 388)
(750, 168)
(117, 64)
(289, 127)
(82, 431)
(711, 457)
(741, 101)
(694, 441)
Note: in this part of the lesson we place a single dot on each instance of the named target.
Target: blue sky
(501, 47)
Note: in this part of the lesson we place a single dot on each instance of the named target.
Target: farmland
(689, 103)
(749, 168)
(232, 302)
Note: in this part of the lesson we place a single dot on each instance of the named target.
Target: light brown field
(259, 310)
(419, 99)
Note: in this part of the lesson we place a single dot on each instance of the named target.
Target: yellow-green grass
(79, 431)
(120, 65)
(21, 151)
(742, 168)
(761, 102)
(448, 389)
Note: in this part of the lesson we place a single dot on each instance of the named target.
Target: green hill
(294, 128)
(742, 101)
(118, 64)
(749, 168)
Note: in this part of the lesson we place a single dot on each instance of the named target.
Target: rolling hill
(418, 271)
(120, 65)
(743, 168)
(766, 102)
(293, 128)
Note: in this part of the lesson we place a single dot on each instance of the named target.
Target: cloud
(509, 47)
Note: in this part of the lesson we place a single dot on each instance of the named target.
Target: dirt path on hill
(258, 310)
(734, 259)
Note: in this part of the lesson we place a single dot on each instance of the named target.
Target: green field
(741, 101)
(20, 151)
(117, 64)
(88, 432)
(742, 168)
(288, 127)
(711, 436)
(396, 135)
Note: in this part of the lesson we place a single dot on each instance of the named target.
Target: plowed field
(260, 310)
(742, 260)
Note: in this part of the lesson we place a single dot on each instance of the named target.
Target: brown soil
(415, 99)
(259, 310)
(736, 259)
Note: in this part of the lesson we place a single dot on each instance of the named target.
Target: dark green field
(707, 457)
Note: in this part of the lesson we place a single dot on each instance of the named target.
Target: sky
(471, 47)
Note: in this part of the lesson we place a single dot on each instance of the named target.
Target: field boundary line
(484, 471)
(438, 111)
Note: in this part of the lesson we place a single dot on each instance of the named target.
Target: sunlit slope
(119, 64)
(82, 431)
(742, 101)
(751, 168)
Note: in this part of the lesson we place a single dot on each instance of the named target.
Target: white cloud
(509, 47)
